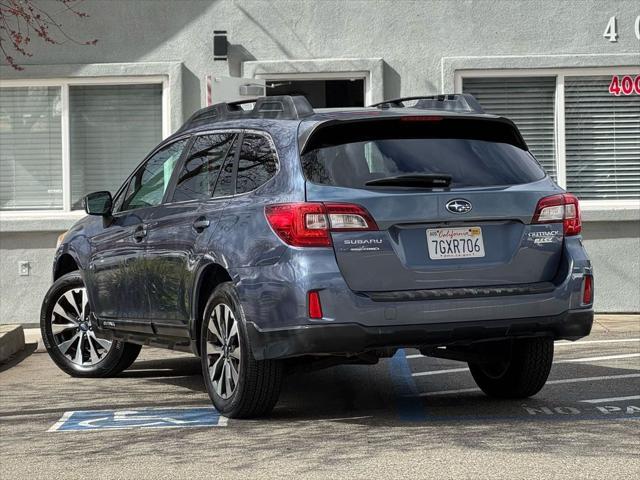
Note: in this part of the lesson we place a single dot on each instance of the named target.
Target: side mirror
(98, 203)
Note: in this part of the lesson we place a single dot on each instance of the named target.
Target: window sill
(38, 221)
(614, 213)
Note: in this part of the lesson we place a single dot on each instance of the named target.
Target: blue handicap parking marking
(139, 418)
(410, 407)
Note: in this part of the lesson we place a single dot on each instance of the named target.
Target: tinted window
(119, 200)
(482, 156)
(149, 183)
(200, 171)
(257, 162)
(224, 185)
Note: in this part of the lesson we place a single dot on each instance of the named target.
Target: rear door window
(473, 153)
(201, 168)
(225, 186)
(257, 162)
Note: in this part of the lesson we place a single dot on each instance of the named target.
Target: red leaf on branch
(20, 18)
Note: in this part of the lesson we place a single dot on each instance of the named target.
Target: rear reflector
(309, 224)
(560, 208)
(587, 292)
(315, 308)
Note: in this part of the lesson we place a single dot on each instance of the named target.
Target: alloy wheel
(72, 329)
(223, 350)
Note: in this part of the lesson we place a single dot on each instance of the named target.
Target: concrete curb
(33, 335)
(609, 323)
(11, 341)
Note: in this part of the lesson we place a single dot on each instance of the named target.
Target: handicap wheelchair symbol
(140, 418)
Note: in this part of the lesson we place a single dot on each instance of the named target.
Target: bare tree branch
(21, 19)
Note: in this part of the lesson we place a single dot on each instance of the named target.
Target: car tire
(521, 373)
(70, 338)
(239, 385)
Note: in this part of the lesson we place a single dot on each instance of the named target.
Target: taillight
(587, 290)
(309, 224)
(560, 208)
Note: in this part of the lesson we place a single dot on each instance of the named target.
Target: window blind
(602, 139)
(529, 102)
(30, 148)
(112, 129)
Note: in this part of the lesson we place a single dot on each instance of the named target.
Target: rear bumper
(341, 339)
(274, 296)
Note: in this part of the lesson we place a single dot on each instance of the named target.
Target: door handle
(200, 224)
(139, 233)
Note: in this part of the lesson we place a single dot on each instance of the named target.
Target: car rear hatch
(451, 197)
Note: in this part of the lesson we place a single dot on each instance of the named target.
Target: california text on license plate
(458, 242)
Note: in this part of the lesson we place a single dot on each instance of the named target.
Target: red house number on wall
(626, 85)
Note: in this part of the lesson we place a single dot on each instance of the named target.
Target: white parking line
(59, 423)
(569, 360)
(599, 359)
(588, 342)
(550, 382)
(613, 399)
(141, 370)
(338, 419)
(564, 343)
(448, 392)
(439, 372)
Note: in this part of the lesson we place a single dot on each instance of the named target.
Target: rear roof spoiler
(451, 102)
(308, 137)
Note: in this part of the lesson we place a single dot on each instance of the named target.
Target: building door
(322, 93)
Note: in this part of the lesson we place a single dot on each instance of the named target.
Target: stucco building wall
(405, 48)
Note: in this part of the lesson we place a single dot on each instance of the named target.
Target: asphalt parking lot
(407, 417)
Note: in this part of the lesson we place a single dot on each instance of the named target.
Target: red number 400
(625, 86)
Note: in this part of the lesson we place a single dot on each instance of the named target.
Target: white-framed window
(63, 138)
(586, 138)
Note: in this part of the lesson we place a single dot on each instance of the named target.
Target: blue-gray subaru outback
(271, 237)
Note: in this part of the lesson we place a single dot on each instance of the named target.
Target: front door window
(149, 183)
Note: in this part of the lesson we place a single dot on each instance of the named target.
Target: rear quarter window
(475, 153)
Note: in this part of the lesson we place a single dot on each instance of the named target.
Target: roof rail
(454, 102)
(281, 107)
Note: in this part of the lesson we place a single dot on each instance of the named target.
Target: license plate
(458, 242)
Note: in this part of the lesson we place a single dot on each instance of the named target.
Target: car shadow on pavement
(171, 367)
(365, 395)
(18, 357)
(181, 372)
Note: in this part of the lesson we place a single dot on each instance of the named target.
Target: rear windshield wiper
(438, 180)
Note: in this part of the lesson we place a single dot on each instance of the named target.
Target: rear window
(475, 153)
